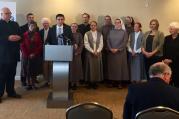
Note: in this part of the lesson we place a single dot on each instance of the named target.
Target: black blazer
(67, 33)
(42, 35)
(25, 28)
(153, 93)
(9, 50)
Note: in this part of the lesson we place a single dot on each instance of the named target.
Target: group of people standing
(113, 53)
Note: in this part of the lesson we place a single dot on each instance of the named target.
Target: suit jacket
(67, 34)
(9, 50)
(83, 28)
(155, 92)
(157, 42)
(25, 28)
(42, 35)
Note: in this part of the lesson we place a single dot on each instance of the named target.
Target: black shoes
(119, 86)
(92, 86)
(74, 87)
(17, 96)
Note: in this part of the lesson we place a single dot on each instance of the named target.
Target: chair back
(158, 112)
(90, 110)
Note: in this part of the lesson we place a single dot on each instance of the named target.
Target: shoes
(15, 96)
(89, 87)
(28, 87)
(24, 84)
(95, 86)
(74, 87)
(119, 86)
(0, 100)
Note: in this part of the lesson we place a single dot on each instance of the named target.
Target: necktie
(60, 36)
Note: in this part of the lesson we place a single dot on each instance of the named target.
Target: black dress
(171, 51)
(153, 59)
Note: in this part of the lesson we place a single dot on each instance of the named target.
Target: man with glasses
(61, 33)
(9, 53)
(155, 92)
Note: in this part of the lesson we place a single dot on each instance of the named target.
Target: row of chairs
(93, 110)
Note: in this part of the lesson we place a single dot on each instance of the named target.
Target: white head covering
(122, 23)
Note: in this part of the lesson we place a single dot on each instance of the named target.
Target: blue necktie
(60, 37)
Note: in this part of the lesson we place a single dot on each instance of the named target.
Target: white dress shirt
(59, 30)
(135, 43)
(45, 34)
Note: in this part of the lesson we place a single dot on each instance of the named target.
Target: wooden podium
(60, 55)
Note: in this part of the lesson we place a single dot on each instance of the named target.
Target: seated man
(155, 92)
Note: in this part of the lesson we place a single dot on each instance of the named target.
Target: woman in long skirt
(117, 56)
(135, 55)
(76, 65)
(93, 41)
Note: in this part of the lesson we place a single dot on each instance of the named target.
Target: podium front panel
(58, 53)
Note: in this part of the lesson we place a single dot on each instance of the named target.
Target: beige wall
(164, 10)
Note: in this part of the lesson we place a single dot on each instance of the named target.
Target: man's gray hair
(158, 69)
(174, 24)
(45, 20)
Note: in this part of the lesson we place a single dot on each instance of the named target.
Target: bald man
(9, 53)
(155, 92)
(44, 33)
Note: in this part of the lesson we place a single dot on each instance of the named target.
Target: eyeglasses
(167, 73)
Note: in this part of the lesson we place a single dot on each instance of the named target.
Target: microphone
(68, 40)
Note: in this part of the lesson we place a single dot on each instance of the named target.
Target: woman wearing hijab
(117, 57)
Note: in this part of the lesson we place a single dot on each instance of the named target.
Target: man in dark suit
(44, 32)
(46, 65)
(9, 53)
(155, 92)
(83, 28)
(60, 34)
(25, 27)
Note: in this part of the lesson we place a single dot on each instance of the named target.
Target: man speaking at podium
(61, 33)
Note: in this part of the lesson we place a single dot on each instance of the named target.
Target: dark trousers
(7, 78)
(105, 66)
(175, 75)
(30, 69)
(83, 59)
(23, 78)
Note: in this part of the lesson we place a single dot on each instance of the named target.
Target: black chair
(158, 112)
(90, 110)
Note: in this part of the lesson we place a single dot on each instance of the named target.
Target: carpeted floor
(33, 103)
